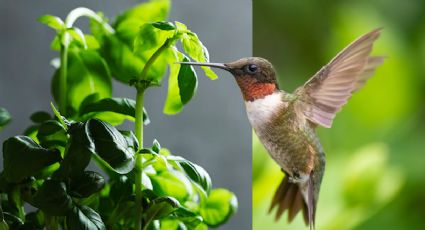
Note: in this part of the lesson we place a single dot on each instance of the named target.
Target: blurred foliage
(375, 152)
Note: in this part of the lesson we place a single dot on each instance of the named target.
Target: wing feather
(323, 95)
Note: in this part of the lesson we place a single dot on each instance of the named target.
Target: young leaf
(52, 198)
(187, 82)
(156, 147)
(4, 117)
(197, 174)
(52, 21)
(85, 12)
(173, 103)
(163, 25)
(111, 145)
(221, 204)
(58, 115)
(195, 49)
(84, 218)
(87, 74)
(122, 106)
(23, 158)
(87, 184)
(40, 117)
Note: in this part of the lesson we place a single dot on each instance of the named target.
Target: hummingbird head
(255, 76)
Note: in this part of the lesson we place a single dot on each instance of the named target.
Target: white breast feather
(261, 110)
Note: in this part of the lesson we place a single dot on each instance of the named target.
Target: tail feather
(311, 204)
(289, 197)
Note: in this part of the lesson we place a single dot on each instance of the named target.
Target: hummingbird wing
(323, 95)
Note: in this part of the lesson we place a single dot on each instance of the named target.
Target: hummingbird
(285, 123)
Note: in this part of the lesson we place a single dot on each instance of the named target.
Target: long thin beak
(215, 65)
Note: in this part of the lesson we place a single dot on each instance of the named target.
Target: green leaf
(4, 117)
(148, 38)
(173, 103)
(111, 146)
(78, 153)
(51, 134)
(122, 106)
(161, 207)
(197, 174)
(195, 49)
(87, 74)
(84, 218)
(171, 183)
(23, 158)
(124, 65)
(127, 24)
(87, 184)
(190, 218)
(52, 21)
(163, 25)
(92, 42)
(58, 115)
(156, 147)
(40, 117)
(97, 29)
(221, 204)
(52, 198)
(187, 82)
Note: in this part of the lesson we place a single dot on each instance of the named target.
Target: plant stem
(138, 167)
(62, 79)
(155, 56)
(139, 128)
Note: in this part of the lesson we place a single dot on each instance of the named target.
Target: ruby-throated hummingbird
(285, 123)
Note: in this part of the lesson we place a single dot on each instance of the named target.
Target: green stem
(62, 79)
(155, 56)
(139, 127)
(139, 136)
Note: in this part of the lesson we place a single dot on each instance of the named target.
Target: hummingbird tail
(289, 197)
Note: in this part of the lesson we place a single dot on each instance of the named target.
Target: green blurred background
(375, 175)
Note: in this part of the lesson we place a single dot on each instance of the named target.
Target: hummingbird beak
(214, 65)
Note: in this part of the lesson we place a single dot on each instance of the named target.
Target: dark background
(212, 130)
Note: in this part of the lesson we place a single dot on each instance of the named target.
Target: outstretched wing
(323, 95)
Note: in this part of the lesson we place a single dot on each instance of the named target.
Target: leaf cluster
(46, 167)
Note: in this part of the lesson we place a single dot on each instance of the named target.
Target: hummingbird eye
(250, 68)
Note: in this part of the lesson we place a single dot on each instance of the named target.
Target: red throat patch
(252, 89)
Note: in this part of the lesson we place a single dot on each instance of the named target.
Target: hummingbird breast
(288, 137)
